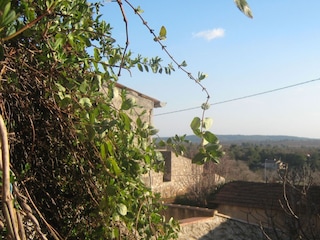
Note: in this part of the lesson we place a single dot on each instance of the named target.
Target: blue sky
(279, 47)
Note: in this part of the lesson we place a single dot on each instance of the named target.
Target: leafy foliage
(210, 149)
(78, 154)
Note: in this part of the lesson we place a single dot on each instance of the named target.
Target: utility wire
(243, 97)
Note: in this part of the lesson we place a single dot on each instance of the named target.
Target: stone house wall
(180, 177)
(143, 103)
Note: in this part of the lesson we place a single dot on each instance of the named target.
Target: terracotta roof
(259, 195)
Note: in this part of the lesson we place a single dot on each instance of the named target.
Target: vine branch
(127, 34)
(164, 48)
(9, 211)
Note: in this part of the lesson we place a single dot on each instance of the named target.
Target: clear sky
(279, 47)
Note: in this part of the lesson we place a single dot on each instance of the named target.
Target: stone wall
(218, 227)
(143, 103)
(180, 212)
(181, 176)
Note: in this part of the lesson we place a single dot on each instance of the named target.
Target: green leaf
(147, 159)
(139, 10)
(115, 231)
(199, 158)
(183, 64)
(126, 121)
(153, 131)
(210, 137)
(202, 76)
(96, 54)
(6, 9)
(244, 7)
(126, 104)
(162, 33)
(58, 43)
(195, 125)
(214, 150)
(60, 87)
(114, 165)
(122, 209)
(110, 147)
(140, 67)
(103, 151)
(85, 102)
(83, 87)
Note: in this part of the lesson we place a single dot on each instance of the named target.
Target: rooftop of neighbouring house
(261, 195)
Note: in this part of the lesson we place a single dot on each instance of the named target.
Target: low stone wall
(218, 227)
(181, 176)
(179, 212)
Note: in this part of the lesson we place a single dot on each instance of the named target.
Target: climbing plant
(75, 157)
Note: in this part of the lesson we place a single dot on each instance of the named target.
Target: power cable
(243, 97)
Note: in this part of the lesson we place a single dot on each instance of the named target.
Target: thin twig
(286, 199)
(127, 35)
(53, 232)
(164, 48)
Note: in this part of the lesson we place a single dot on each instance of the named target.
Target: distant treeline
(256, 154)
(255, 149)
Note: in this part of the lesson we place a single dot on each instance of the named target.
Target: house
(180, 175)
(143, 102)
(270, 205)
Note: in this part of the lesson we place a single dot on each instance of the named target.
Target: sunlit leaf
(96, 54)
(162, 33)
(244, 7)
(103, 151)
(86, 102)
(114, 165)
(83, 87)
(207, 123)
(183, 64)
(201, 76)
(122, 209)
(139, 10)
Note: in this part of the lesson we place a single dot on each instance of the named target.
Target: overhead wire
(241, 98)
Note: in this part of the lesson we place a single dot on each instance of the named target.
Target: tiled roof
(259, 195)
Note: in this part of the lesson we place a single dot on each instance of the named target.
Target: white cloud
(210, 34)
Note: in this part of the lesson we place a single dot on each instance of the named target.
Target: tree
(74, 155)
(299, 206)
